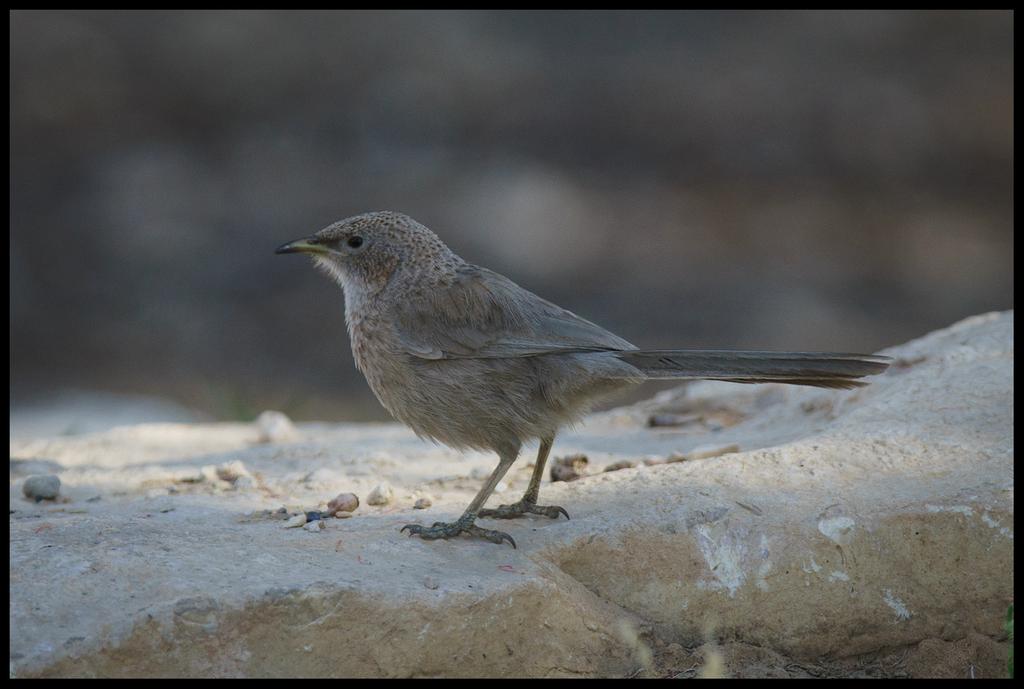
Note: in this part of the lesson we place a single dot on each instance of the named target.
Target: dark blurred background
(812, 180)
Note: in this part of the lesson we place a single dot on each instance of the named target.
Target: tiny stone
(342, 515)
(275, 427)
(95, 498)
(501, 487)
(42, 487)
(423, 503)
(315, 526)
(343, 502)
(231, 471)
(705, 451)
(313, 516)
(243, 482)
(297, 520)
(624, 464)
(380, 495)
(568, 468)
(431, 583)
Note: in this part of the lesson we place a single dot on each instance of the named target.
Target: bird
(466, 357)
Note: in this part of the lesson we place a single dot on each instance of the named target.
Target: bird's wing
(484, 315)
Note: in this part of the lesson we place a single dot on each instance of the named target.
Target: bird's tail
(819, 369)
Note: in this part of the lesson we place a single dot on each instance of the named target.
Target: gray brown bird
(466, 357)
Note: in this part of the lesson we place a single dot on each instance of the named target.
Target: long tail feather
(818, 369)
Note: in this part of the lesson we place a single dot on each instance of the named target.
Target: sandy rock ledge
(850, 524)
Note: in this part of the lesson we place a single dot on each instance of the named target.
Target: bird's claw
(450, 530)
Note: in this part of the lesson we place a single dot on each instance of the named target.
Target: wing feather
(484, 315)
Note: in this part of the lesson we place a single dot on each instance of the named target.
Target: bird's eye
(355, 241)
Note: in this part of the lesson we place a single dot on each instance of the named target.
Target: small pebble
(243, 482)
(342, 515)
(343, 502)
(279, 513)
(431, 583)
(705, 451)
(382, 494)
(501, 487)
(42, 487)
(315, 526)
(568, 468)
(297, 520)
(423, 503)
(313, 516)
(275, 427)
(624, 464)
(232, 471)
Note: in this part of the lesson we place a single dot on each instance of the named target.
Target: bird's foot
(450, 529)
(523, 507)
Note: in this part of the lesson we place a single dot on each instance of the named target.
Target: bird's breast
(378, 357)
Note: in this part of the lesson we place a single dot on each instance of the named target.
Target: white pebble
(431, 583)
(42, 487)
(315, 526)
(423, 503)
(231, 471)
(381, 494)
(501, 487)
(275, 427)
(297, 520)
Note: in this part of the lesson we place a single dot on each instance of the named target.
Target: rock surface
(852, 532)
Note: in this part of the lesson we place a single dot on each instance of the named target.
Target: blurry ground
(821, 180)
(74, 412)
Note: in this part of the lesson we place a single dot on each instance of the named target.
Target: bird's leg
(465, 524)
(528, 503)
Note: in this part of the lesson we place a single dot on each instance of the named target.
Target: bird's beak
(307, 245)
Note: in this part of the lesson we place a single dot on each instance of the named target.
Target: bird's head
(368, 250)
